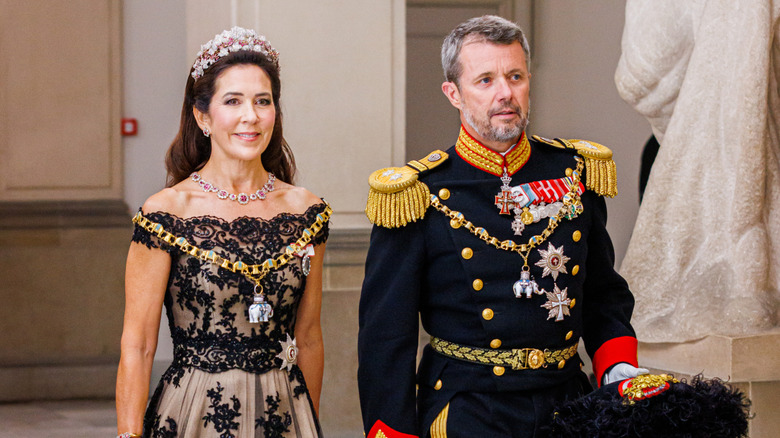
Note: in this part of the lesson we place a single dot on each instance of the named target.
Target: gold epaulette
(396, 195)
(600, 170)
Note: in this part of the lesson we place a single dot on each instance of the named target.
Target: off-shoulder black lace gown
(225, 379)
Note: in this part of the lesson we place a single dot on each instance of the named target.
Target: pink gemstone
(222, 194)
(243, 198)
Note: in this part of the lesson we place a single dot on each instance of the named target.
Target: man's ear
(203, 119)
(453, 94)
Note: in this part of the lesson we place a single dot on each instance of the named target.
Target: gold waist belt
(517, 358)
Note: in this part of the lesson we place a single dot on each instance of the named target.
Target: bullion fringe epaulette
(396, 196)
(600, 170)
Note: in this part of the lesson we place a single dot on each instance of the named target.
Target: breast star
(553, 261)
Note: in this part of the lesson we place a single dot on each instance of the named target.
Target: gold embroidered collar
(491, 161)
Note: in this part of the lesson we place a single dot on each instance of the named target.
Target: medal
(526, 216)
(518, 226)
(525, 285)
(504, 198)
(259, 310)
(534, 201)
(553, 261)
(306, 253)
(557, 303)
(289, 354)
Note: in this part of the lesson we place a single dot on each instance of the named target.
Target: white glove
(623, 371)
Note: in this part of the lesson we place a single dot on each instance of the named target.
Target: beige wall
(63, 225)
(59, 100)
(155, 69)
(573, 94)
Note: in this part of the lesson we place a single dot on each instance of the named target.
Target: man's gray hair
(487, 28)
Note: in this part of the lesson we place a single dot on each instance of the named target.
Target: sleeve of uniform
(608, 335)
(388, 336)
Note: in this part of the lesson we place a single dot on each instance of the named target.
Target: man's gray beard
(502, 133)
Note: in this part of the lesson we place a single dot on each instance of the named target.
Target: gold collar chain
(255, 273)
(571, 202)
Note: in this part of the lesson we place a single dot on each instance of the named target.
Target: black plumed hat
(655, 406)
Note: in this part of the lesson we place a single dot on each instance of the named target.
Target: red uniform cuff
(381, 430)
(622, 349)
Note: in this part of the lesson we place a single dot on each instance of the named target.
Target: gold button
(575, 269)
(454, 223)
(495, 343)
(477, 284)
(437, 386)
(569, 171)
(499, 371)
(569, 335)
(573, 302)
(561, 364)
(466, 253)
(487, 314)
(576, 236)
(444, 194)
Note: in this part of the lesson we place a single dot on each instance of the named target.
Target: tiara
(228, 42)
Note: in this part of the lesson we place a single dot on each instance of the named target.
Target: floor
(77, 418)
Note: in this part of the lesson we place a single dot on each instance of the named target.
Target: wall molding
(64, 214)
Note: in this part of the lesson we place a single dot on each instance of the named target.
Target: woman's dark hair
(191, 149)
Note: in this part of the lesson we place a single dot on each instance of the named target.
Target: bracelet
(128, 435)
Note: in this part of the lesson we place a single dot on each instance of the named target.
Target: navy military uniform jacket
(461, 289)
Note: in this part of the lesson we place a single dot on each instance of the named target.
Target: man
(499, 245)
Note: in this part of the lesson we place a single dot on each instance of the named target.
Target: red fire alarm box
(129, 127)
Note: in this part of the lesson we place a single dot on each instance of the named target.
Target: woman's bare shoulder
(170, 200)
(298, 199)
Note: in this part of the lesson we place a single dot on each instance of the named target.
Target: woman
(234, 252)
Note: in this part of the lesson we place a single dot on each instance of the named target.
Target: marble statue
(704, 257)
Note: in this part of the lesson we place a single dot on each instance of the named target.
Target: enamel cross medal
(504, 200)
(259, 310)
(523, 215)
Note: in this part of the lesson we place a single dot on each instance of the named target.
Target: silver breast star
(553, 261)
(289, 353)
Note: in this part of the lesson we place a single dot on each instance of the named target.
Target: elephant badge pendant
(259, 310)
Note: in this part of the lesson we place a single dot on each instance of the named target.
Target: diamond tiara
(228, 42)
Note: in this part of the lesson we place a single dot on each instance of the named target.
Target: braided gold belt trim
(254, 273)
(517, 358)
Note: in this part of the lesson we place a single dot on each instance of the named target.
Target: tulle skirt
(230, 404)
